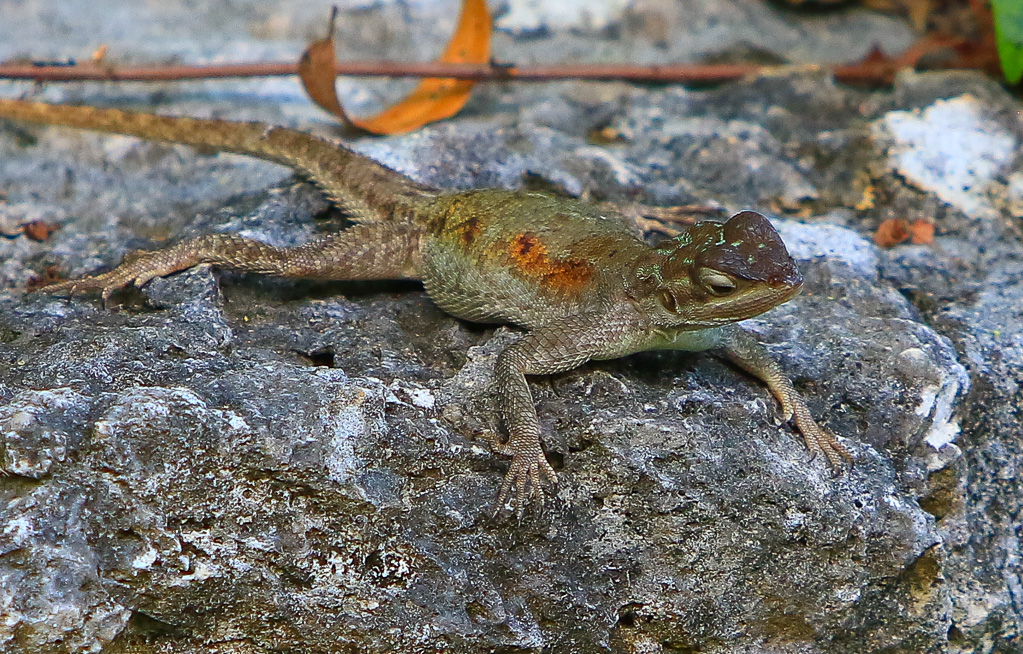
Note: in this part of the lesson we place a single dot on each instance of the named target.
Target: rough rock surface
(236, 464)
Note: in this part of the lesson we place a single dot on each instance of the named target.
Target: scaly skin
(573, 275)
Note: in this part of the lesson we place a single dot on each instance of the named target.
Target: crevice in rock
(322, 357)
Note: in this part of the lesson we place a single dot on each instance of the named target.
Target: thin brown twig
(478, 72)
(880, 72)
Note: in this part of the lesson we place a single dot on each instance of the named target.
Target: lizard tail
(369, 190)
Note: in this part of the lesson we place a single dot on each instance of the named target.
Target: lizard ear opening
(667, 300)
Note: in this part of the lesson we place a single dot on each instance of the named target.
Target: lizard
(573, 275)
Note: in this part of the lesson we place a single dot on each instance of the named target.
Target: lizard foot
(819, 440)
(138, 271)
(523, 482)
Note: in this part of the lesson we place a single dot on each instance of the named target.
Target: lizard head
(717, 273)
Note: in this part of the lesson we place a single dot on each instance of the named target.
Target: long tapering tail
(371, 191)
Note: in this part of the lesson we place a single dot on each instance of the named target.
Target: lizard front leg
(558, 346)
(369, 251)
(744, 351)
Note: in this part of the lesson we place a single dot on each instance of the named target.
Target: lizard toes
(548, 473)
(523, 483)
(502, 496)
(521, 492)
(67, 286)
(837, 453)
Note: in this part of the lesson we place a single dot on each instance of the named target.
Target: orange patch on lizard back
(531, 259)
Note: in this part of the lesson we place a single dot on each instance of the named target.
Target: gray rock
(237, 464)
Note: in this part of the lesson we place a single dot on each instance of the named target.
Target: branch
(877, 72)
(876, 68)
(475, 72)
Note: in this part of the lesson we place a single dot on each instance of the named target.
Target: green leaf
(1008, 15)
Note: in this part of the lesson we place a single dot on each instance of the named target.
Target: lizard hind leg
(363, 252)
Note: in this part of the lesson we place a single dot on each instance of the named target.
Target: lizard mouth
(752, 303)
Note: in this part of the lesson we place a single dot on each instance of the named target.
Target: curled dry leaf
(892, 232)
(38, 230)
(922, 232)
(432, 99)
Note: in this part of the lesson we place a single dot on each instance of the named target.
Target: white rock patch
(950, 149)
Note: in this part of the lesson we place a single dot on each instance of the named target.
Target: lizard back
(521, 257)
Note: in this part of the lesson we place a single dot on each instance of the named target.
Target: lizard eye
(667, 300)
(716, 283)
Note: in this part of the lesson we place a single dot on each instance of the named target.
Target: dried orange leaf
(99, 55)
(432, 99)
(922, 232)
(316, 70)
(891, 232)
(37, 230)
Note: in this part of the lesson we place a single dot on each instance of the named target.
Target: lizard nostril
(787, 277)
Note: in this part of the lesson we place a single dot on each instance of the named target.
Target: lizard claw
(523, 483)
